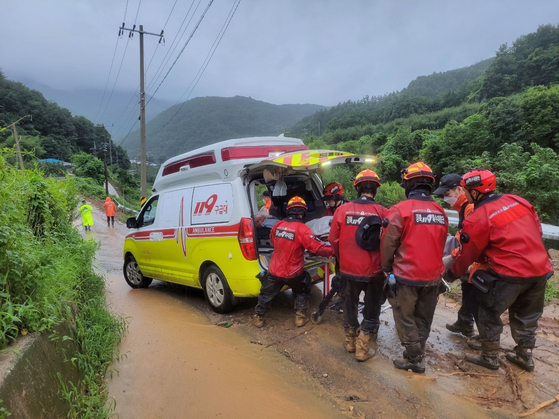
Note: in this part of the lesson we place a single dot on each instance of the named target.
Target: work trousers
(110, 218)
(374, 297)
(413, 309)
(469, 310)
(272, 285)
(525, 305)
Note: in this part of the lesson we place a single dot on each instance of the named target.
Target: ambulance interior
(281, 190)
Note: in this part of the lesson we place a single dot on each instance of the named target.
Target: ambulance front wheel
(133, 274)
(217, 291)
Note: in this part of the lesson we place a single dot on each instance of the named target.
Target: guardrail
(550, 232)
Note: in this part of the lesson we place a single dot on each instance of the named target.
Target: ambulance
(198, 228)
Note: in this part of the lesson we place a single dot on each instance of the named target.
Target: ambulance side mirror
(131, 223)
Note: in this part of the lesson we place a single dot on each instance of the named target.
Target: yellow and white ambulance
(198, 229)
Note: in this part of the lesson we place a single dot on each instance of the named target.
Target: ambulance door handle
(156, 237)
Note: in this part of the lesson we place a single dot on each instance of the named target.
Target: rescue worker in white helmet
(412, 247)
(333, 196)
(359, 263)
(290, 237)
(505, 232)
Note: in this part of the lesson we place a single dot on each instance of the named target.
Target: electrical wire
(135, 95)
(111, 67)
(182, 50)
(206, 62)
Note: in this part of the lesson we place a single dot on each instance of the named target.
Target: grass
(551, 289)
(45, 269)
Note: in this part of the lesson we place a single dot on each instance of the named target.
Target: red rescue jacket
(412, 244)
(356, 263)
(290, 238)
(505, 232)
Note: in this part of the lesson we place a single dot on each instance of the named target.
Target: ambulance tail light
(246, 239)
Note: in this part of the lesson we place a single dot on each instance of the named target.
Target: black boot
(522, 358)
(406, 364)
(415, 363)
(490, 361)
(459, 327)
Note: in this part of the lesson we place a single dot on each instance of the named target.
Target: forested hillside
(206, 120)
(500, 114)
(48, 130)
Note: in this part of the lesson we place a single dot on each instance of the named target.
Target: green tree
(86, 165)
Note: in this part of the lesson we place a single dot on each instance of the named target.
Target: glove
(391, 286)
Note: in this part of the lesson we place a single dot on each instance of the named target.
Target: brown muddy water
(177, 363)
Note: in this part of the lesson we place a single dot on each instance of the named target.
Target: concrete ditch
(29, 385)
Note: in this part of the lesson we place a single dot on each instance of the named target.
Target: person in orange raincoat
(110, 209)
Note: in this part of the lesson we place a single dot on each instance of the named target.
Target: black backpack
(367, 235)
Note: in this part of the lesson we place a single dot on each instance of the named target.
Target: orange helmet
(417, 170)
(481, 180)
(366, 175)
(333, 189)
(296, 202)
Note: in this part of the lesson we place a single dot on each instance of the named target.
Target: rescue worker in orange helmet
(504, 231)
(360, 267)
(453, 194)
(290, 237)
(411, 249)
(333, 196)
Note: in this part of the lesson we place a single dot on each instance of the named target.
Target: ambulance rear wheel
(217, 291)
(133, 274)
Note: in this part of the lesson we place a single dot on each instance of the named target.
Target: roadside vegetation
(46, 278)
(500, 114)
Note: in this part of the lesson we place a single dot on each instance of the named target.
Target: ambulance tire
(217, 291)
(133, 275)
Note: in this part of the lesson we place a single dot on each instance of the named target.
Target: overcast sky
(278, 51)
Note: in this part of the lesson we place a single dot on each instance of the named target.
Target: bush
(45, 269)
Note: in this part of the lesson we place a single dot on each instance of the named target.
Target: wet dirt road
(177, 363)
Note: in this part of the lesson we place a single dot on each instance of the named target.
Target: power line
(206, 62)
(182, 50)
(135, 94)
(111, 67)
(173, 47)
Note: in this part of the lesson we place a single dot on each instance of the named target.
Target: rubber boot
(522, 358)
(362, 350)
(258, 321)
(459, 327)
(300, 319)
(486, 360)
(350, 336)
(417, 364)
(474, 342)
(406, 364)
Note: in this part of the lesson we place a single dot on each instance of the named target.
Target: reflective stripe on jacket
(355, 263)
(505, 232)
(290, 238)
(412, 244)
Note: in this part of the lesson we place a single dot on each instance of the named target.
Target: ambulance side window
(147, 216)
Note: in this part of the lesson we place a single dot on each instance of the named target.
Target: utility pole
(142, 102)
(102, 126)
(16, 138)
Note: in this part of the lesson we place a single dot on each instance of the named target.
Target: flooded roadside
(178, 363)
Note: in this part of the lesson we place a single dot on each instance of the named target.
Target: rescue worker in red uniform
(412, 248)
(505, 232)
(453, 194)
(333, 196)
(358, 267)
(290, 237)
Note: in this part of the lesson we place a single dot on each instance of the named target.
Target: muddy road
(178, 362)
